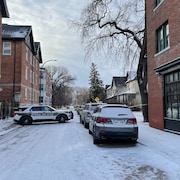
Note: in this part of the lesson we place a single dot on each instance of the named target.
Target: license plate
(118, 121)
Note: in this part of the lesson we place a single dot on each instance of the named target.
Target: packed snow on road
(65, 151)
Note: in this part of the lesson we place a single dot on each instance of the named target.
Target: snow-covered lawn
(66, 152)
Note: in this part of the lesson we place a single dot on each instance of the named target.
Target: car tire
(80, 119)
(25, 120)
(72, 115)
(86, 125)
(90, 131)
(95, 139)
(134, 141)
(61, 119)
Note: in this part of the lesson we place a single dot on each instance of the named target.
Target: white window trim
(26, 73)
(168, 47)
(26, 53)
(158, 5)
(161, 52)
(5, 48)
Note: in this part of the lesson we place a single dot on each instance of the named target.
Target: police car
(37, 113)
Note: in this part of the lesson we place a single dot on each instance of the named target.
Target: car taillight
(103, 120)
(131, 121)
(15, 113)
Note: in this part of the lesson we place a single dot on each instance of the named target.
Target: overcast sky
(50, 21)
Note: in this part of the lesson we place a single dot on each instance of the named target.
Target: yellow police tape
(138, 105)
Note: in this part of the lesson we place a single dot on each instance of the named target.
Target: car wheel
(86, 125)
(80, 119)
(90, 131)
(95, 139)
(26, 120)
(134, 141)
(61, 119)
(72, 115)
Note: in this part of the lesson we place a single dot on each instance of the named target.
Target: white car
(86, 113)
(36, 113)
(113, 121)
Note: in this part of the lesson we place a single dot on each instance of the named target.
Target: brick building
(3, 14)
(45, 87)
(163, 52)
(20, 65)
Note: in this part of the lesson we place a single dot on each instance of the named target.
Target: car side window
(46, 108)
(36, 109)
(95, 110)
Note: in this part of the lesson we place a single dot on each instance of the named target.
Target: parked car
(86, 113)
(35, 113)
(79, 108)
(113, 121)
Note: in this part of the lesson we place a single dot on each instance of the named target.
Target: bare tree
(81, 95)
(117, 28)
(61, 85)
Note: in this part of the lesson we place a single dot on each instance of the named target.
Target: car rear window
(116, 111)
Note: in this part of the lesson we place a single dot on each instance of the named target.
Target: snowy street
(66, 151)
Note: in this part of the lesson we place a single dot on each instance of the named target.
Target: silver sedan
(113, 121)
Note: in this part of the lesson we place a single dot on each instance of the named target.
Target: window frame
(172, 95)
(6, 48)
(162, 37)
(157, 2)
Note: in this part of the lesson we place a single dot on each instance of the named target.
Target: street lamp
(41, 77)
(47, 62)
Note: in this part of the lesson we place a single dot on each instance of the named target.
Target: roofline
(4, 9)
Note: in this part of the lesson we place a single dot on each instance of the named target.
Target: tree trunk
(142, 78)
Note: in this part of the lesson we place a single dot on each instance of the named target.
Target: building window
(26, 73)
(41, 87)
(26, 94)
(162, 37)
(158, 2)
(6, 48)
(41, 99)
(26, 53)
(31, 60)
(172, 95)
(33, 77)
(41, 74)
(30, 76)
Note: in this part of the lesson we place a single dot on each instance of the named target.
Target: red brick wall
(18, 58)
(168, 10)
(0, 41)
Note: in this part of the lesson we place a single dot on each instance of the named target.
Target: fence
(6, 109)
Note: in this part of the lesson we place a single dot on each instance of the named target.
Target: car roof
(95, 103)
(113, 105)
(30, 106)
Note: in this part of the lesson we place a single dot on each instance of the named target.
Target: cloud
(50, 22)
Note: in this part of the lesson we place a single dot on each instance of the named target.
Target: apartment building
(163, 52)
(20, 65)
(3, 14)
(45, 87)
